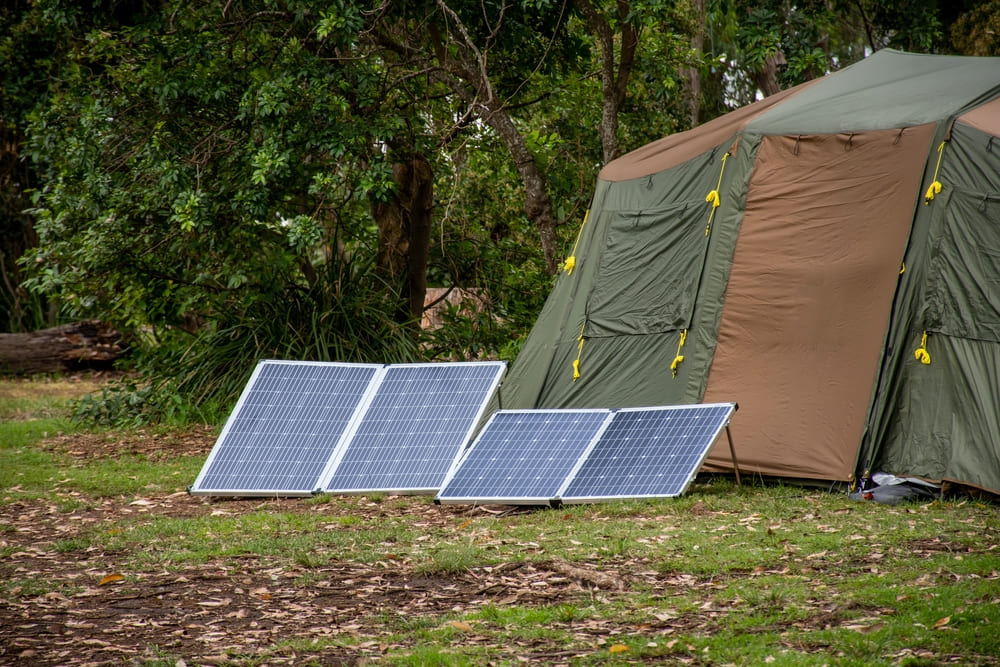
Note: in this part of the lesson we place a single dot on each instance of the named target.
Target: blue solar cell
(418, 421)
(284, 428)
(648, 452)
(522, 456)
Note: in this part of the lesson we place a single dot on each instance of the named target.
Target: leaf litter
(81, 606)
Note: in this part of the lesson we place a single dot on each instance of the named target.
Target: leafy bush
(345, 316)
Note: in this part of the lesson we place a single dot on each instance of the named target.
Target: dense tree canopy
(234, 179)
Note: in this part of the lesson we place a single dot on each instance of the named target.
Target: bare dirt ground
(89, 610)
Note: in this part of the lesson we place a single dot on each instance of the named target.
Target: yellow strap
(680, 357)
(713, 196)
(921, 354)
(570, 262)
(579, 353)
(935, 187)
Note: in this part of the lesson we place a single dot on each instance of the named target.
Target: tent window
(648, 272)
(964, 289)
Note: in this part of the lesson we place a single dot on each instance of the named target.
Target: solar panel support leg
(732, 452)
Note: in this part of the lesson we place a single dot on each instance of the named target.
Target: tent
(828, 258)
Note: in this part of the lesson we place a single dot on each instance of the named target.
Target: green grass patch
(15, 434)
(27, 472)
(25, 469)
(303, 540)
(132, 476)
(42, 397)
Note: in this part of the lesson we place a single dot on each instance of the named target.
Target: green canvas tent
(804, 256)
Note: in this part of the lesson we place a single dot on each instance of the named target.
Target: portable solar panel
(647, 453)
(415, 425)
(285, 427)
(522, 456)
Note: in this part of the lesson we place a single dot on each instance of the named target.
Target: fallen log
(88, 344)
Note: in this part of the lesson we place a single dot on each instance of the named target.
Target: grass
(756, 575)
(42, 396)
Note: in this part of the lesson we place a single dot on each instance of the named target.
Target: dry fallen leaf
(214, 659)
(942, 622)
(618, 648)
(111, 578)
(866, 629)
(461, 625)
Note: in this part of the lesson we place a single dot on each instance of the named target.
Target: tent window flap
(649, 270)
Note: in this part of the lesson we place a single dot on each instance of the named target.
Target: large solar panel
(284, 428)
(414, 427)
(648, 453)
(522, 456)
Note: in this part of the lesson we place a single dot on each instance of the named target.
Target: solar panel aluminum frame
(562, 499)
(329, 475)
(548, 499)
(196, 488)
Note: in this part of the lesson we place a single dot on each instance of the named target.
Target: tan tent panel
(802, 329)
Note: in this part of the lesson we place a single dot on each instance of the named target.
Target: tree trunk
(70, 347)
(693, 73)
(615, 72)
(465, 71)
(537, 205)
(404, 225)
(767, 78)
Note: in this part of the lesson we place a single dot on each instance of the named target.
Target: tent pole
(732, 452)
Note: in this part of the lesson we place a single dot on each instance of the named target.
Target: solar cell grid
(415, 426)
(284, 428)
(522, 457)
(648, 452)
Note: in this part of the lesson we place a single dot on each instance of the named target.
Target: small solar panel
(648, 453)
(522, 456)
(416, 424)
(284, 428)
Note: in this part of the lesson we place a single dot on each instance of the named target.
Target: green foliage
(808, 39)
(170, 196)
(512, 288)
(207, 176)
(121, 404)
(207, 190)
(910, 26)
(976, 32)
(199, 377)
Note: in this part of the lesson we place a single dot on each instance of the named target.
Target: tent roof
(889, 89)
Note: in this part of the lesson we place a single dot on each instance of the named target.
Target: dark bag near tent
(894, 494)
